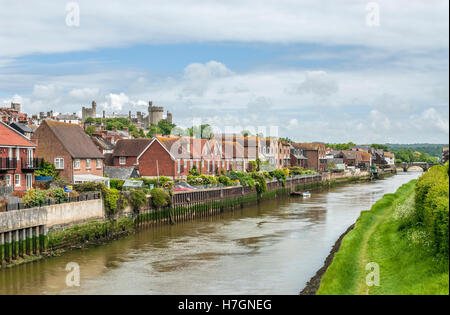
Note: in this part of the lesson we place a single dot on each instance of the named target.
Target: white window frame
(178, 166)
(88, 164)
(8, 180)
(99, 163)
(17, 154)
(17, 179)
(76, 164)
(10, 153)
(122, 160)
(29, 181)
(59, 163)
(30, 157)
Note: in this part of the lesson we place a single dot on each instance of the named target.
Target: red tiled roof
(10, 137)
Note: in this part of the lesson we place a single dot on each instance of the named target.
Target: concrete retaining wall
(52, 216)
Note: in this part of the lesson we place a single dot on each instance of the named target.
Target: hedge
(432, 206)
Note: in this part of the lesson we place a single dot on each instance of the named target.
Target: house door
(29, 178)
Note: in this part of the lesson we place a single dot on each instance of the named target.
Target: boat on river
(304, 194)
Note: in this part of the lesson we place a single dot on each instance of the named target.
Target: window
(99, 163)
(8, 180)
(10, 153)
(30, 156)
(88, 163)
(179, 166)
(29, 179)
(17, 180)
(17, 154)
(59, 163)
(122, 160)
(76, 164)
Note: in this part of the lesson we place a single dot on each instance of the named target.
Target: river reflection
(272, 248)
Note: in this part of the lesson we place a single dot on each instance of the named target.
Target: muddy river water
(271, 248)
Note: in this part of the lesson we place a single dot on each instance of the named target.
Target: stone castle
(155, 115)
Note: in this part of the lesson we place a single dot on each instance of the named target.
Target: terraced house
(17, 159)
(71, 150)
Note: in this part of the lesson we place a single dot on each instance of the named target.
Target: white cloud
(318, 83)
(405, 24)
(84, 94)
(115, 102)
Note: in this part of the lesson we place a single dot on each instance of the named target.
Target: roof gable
(74, 140)
(11, 137)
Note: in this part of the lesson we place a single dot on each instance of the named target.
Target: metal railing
(31, 164)
(48, 202)
(8, 164)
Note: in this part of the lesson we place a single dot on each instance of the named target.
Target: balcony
(31, 164)
(7, 164)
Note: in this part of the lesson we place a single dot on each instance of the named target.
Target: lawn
(406, 261)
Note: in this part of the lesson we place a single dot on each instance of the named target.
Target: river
(272, 248)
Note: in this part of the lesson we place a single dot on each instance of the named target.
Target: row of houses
(81, 158)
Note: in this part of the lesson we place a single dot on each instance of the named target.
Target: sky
(314, 70)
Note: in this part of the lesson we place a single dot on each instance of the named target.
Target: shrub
(111, 199)
(193, 171)
(432, 206)
(116, 183)
(159, 198)
(34, 197)
(57, 194)
(260, 181)
(138, 199)
(225, 180)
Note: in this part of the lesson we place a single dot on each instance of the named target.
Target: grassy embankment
(411, 251)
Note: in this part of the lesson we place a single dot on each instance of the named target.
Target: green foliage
(193, 171)
(252, 166)
(165, 127)
(260, 183)
(407, 266)
(301, 171)
(159, 198)
(433, 150)
(341, 146)
(34, 197)
(225, 180)
(116, 183)
(410, 156)
(48, 169)
(432, 206)
(380, 147)
(161, 182)
(138, 199)
(90, 130)
(110, 196)
(111, 199)
(280, 175)
(38, 197)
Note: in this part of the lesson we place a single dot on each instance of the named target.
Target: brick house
(297, 157)
(127, 151)
(284, 154)
(315, 154)
(17, 159)
(70, 149)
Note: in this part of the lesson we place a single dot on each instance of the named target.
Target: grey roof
(123, 173)
(21, 127)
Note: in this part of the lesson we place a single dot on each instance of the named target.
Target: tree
(48, 170)
(165, 127)
(153, 130)
(90, 130)
(380, 147)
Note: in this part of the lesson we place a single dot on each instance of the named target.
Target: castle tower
(89, 112)
(15, 106)
(155, 113)
(169, 117)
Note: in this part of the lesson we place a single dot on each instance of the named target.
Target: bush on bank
(432, 206)
(38, 197)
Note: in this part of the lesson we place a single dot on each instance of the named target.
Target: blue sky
(314, 69)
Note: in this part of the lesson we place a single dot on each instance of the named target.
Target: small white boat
(306, 194)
